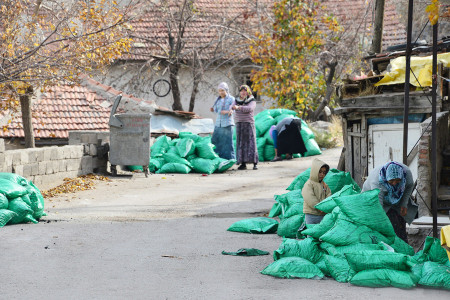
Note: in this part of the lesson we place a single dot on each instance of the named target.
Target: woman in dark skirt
(246, 150)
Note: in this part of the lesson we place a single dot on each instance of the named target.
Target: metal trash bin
(129, 139)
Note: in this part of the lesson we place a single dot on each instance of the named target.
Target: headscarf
(223, 86)
(389, 171)
(249, 97)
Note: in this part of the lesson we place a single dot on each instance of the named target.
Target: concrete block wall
(48, 166)
(424, 162)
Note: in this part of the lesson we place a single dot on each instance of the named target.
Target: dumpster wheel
(145, 170)
(114, 170)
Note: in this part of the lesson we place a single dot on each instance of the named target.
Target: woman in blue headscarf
(396, 184)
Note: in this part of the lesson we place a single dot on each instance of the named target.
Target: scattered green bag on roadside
(288, 227)
(205, 150)
(377, 259)
(307, 248)
(224, 164)
(156, 163)
(312, 148)
(3, 201)
(322, 265)
(202, 165)
(6, 215)
(174, 168)
(383, 278)
(293, 267)
(275, 211)
(400, 246)
(433, 251)
(435, 275)
(340, 251)
(255, 225)
(247, 252)
(339, 268)
(23, 211)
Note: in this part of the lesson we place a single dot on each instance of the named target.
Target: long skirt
(290, 140)
(246, 151)
(222, 138)
(398, 223)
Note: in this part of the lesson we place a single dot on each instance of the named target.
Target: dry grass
(331, 138)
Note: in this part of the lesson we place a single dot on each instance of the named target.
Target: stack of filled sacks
(188, 153)
(265, 119)
(355, 243)
(20, 200)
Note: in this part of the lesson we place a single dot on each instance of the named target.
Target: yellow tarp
(421, 66)
(445, 239)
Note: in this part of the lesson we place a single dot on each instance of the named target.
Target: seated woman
(396, 184)
(314, 191)
(287, 138)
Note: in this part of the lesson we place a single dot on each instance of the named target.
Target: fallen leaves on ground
(72, 185)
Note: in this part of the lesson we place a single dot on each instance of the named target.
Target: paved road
(161, 238)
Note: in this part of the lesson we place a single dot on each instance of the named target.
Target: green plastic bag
(247, 252)
(269, 152)
(205, 150)
(260, 144)
(383, 278)
(435, 275)
(185, 147)
(433, 251)
(340, 251)
(172, 150)
(293, 267)
(339, 268)
(289, 199)
(400, 246)
(322, 265)
(268, 138)
(366, 209)
(377, 259)
(299, 181)
(288, 227)
(312, 148)
(155, 164)
(307, 248)
(337, 179)
(202, 165)
(11, 189)
(188, 135)
(134, 168)
(294, 210)
(224, 164)
(255, 225)
(14, 178)
(264, 124)
(281, 117)
(174, 168)
(160, 145)
(328, 204)
(3, 201)
(23, 211)
(174, 158)
(275, 211)
(320, 229)
(6, 216)
(276, 112)
(306, 133)
(34, 197)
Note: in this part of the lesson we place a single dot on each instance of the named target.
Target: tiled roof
(62, 109)
(150, 30)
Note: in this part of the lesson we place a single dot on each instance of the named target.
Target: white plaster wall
(138, 81)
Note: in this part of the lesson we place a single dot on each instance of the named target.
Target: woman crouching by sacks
(244, 106)
(287, 138)
(396, 185)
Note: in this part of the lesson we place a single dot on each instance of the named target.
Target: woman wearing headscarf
(287, 138)
(222, 136)
(244, 106)
(395, 182)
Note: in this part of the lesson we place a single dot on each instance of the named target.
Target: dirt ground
(161, 237)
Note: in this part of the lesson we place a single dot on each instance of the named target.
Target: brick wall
(48, 166)
(424, 163)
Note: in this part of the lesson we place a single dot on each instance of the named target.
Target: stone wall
(424, 163)
(48, 166)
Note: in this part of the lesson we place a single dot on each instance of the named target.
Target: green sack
(293, 267)
(160, 145)
(299, 181)
(289, 199)
(400, 246)
(433, 250)
(264, 124)
(339, 268)
(205, 150)
(155, 164)
(366, 209)
(307, 248)
(347, 233)
(269, 152)
(322, 265)
(263, 114)
(383, 278)
(35, 197)
(377, 259)
(281, 117)
(134, 168)
(247, 252)
(276, 112)
(174, 158)
(202, 165)
(294, 210)
(255, 225)
(224, 164)
(306, 133)
(185, 147)
(34, 204)
(11, 189)
(172, 150)
(174, 168)
(435, 275)
(312, 148)
(288, 227)
(189, 135)
(14, 178)
(23, 211)
(336, 180)
(260, 144)
(6, 216)
(341, 251)
(275, 211)
(328, 204)
(320, 229)
(3, 201)
(267, 137)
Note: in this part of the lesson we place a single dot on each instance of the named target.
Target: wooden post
(378, 27)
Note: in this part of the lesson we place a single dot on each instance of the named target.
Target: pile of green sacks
(355, 242)
(20, 200)
(265, 119)
(188, 153)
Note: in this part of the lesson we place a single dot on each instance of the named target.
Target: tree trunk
(198, 75)
(173, 76)
(25, 106)
(378, 27)
(194, 94)
(329, 92)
